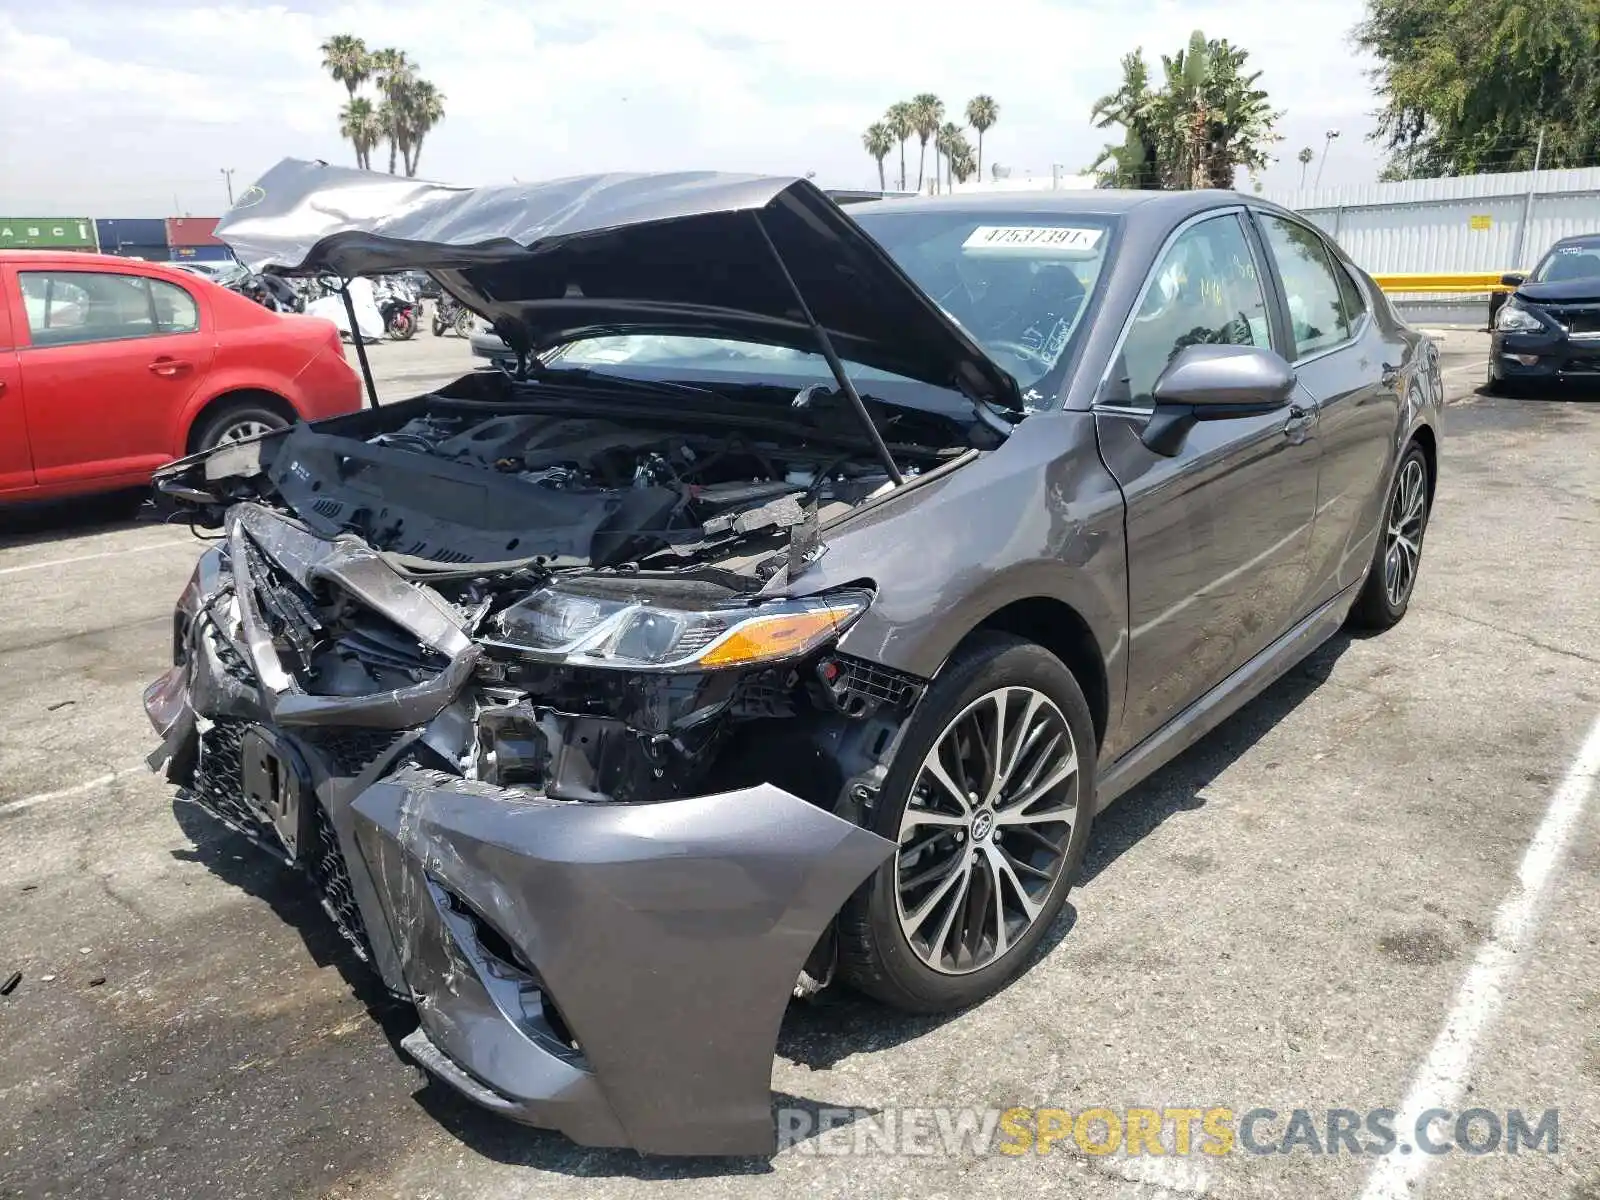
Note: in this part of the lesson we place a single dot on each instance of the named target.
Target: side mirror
(1513, 279)
(1215, 383)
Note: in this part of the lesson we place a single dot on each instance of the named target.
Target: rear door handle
(169, 366)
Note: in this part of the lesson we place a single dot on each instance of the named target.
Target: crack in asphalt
(1521, 636)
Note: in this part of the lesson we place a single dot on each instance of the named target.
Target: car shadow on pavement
(38, 524)
(1178, 786)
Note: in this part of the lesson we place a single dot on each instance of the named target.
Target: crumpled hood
(689, 252)
(1566, 291)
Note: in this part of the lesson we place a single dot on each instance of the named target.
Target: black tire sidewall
(990, 663)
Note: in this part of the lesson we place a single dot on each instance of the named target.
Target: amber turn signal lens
(782, 635)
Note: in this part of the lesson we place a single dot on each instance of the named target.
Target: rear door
(111, 359)
(1217, 533)
(16, 462)
(1354, 372)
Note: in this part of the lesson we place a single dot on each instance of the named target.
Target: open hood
(688, 252)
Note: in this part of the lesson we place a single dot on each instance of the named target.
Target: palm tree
(422, 107)
(927, 111)
(394, 74)
(345, 57)
(1304, 157)
(358, 121)
(982, 113)
(951, 143)
(900, 120)
(1135, 163)
(878, 141)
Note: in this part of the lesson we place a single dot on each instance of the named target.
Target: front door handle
(1391, 375)
(169, 366)
(1300, 420)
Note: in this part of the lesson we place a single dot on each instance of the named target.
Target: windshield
(1018, 283)
(1572, 260)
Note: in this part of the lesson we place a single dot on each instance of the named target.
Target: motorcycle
(398, 306)
(450, 313)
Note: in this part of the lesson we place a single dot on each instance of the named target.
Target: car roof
(1570, 239)
(84, 258)
(1111, 202)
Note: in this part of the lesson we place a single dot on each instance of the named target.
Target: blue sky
(129, 110)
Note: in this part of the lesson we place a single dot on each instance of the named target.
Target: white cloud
(129, 106)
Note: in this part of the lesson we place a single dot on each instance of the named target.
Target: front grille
(217, 788)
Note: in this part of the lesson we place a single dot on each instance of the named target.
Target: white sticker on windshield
(1033, 240)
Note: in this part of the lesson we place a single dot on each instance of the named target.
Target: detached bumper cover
(617, 972)
(1555, 355)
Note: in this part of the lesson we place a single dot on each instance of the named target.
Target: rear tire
(1397, 558)
(235, 421)
(1023, 852)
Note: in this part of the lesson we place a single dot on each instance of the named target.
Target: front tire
(990, 800)
(1397, 558)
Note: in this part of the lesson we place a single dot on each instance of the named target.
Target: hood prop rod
(361, 342)
(825, 344)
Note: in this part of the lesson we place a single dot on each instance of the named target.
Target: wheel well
(238, 397)
(1426, 438)
(1059, 629)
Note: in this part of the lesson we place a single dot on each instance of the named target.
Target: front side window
(1316, 308)
(1205, 290)
(70, 307)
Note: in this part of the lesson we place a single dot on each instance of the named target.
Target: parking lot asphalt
(1329, 903)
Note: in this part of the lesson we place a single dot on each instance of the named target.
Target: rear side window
(1311, 288)
(1355, 301)
(72, 307)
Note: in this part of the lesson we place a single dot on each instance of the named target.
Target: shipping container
(118, 234)
(161, 253)
(217, 253)
(47, 233)
(192, 231)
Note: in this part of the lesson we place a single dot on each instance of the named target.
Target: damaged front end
(525, 674)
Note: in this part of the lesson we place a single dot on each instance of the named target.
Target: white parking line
(1459, 368)
(76, 789)
(63, 562)
(1440, 1082)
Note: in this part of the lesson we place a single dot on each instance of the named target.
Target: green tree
(345, 57)
(359, 122)
(982, 113)
(878, 142)
(1207, 120)
(421, 108)
(901, 122)
(927, 111)
(394, 74)
(1304, 158)
(951, 142)
(1469, 85)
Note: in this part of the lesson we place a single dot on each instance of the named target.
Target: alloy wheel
(240, 430)
(1404, 547)
(986, 829)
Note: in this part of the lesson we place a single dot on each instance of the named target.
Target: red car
(112, 367)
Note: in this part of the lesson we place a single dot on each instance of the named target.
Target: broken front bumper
(617, 972)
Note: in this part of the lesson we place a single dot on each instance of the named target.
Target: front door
(112, 358)
(1217, 534)
(16, 461)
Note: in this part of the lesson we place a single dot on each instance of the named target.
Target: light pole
(227, 175)
(1327, 139)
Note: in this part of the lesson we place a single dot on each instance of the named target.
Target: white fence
(1467, 223)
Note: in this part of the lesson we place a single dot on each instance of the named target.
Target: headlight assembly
(558, 626)
(1513, 318)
